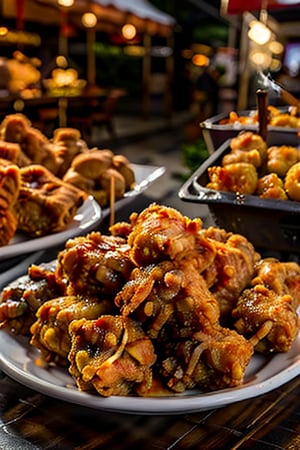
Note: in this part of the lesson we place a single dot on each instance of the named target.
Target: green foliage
(194, 154)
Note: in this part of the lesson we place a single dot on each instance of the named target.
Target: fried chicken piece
(267, 319)
(10, 151)
(160, 233)
(45, 204)
(122, 165)
(13, 127)
(281, 277)
(247, 140)
(20, 300)
(248, 156)
(285, 120)
(232, 269)
(112, 182)
(95, 173)
(9, 191)
(10, 181)
(214, 358)
(67, 144)
(292, 182)
(281, 159)
(271, 186)
(8, 226)
(94, 265)
(238, 177)
(169, 299)
(111, 355)
(121, 229)
(50, 330)
(93, 164)
(267, 311)
(35, 146)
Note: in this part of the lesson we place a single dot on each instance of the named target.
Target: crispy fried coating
(160, 233)
(266, 318)
(240, 177)
(20, 300)
(95, 264)
(45, 204)
(49, 333)
(168, 295)
(214, 358)
(111, 355)
(281, 158)
(266, 312)
(67, 144)
(232, 268)
(292, 182)
(271, 186)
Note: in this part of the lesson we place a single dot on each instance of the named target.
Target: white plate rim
(17, 360)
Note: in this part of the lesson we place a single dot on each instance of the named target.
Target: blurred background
(161, 55)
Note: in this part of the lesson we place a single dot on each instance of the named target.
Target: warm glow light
(89, 20)
(66, 3)
(200, 60)
(3, 31)
(276, 47)
(128, 31)
(61, 61)
(260, 59)
(259, 32)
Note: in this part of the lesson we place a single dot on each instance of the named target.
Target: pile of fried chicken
(159, 306)
(251, 167)
(44, 181)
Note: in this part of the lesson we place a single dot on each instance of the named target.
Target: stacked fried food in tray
(44, 181)
(276, 118)
(251, 167)
(159, 306)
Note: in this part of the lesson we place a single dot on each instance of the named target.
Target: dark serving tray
(215, 134)
(268, 224)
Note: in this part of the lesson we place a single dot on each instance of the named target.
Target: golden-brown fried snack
(111, 355)
(281, 159)
(271, 186)
(292, 182)
(50, 330)
(122, 164)
(112, 179)
(239, 177)
(247, 140)
(93, 163)
(46, 204)
(67, 143)
(8, 226)
(10, 180)
(249, 156)
(20, 300)
(10, 151)
(14, 127)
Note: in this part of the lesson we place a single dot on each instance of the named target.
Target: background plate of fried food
(19, 360)
(88, 216)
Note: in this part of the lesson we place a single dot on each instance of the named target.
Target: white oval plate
(18, 360)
